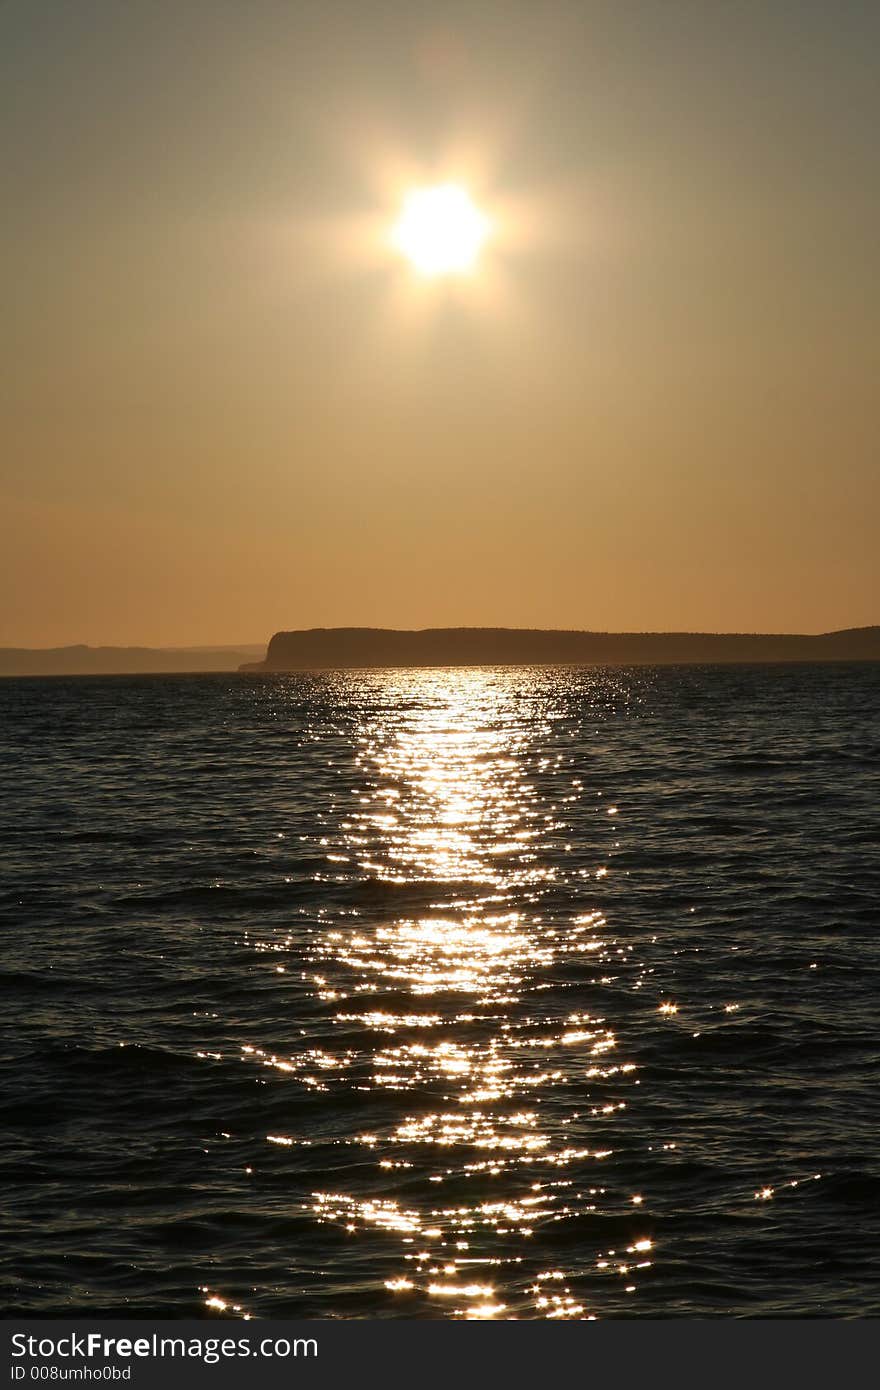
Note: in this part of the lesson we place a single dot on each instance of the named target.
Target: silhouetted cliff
(359, 647)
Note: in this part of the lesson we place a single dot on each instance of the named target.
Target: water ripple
(465, 993)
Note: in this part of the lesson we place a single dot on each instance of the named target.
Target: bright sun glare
(440, 231)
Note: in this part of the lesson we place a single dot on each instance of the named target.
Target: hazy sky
(228, 407)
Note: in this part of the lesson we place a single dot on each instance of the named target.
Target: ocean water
(512, 993)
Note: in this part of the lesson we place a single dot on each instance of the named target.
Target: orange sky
(227, 410)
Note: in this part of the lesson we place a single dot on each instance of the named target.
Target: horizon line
(447, 627)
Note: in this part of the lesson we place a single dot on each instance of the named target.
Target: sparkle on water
(444, 796)
(362, 1003)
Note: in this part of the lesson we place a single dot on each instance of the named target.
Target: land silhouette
(364, 647)
(360, 647)
(119, 661)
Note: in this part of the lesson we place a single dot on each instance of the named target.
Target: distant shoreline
(374, 648)
(122, 661)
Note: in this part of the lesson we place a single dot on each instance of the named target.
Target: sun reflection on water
(474, 968)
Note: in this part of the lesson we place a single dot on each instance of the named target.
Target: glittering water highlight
(480, 993)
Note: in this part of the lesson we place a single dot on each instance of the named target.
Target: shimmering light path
(478, 993)
(490, 1144)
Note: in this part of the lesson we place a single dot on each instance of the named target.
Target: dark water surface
(512, 993)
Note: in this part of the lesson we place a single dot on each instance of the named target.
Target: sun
(440, 230)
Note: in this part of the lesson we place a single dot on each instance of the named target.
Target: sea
(477, 993)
